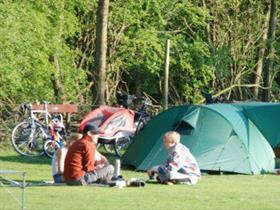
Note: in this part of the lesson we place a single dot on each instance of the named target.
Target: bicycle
(35, 136)
(118, 125)
(58, 134)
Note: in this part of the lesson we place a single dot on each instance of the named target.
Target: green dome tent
(266, 117)
(222, 137)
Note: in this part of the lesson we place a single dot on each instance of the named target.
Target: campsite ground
(212, 192)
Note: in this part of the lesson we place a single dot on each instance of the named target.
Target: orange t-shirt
(80, 159)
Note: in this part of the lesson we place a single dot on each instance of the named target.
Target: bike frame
(142, 112)
(45, 112)
(47, 115)
(33, 119)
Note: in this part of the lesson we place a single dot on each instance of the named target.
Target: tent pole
(166, 75)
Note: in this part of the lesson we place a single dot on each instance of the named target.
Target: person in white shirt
(59, 157)
(180, 167)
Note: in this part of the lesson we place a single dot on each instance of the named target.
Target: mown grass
(212, 192)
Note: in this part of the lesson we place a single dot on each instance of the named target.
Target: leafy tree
(138, 31)
(35, 51)
(48, 49)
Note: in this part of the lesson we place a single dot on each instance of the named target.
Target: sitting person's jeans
(105, 173)
(177, 177)
(58, 178)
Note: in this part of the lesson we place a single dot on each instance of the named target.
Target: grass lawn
(212, 192)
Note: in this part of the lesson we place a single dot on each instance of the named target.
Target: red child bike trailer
(110, 120)
(116, 126)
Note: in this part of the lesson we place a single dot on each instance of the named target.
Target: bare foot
(169, 183)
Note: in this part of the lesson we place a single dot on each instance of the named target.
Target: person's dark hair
(92, 128)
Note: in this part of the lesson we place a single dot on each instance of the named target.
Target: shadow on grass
(25, 159)
(153, 182)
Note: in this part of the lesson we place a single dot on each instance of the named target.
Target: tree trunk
(56, 89)
(270, 52)
(260, 55)
(101, 48)
(56, 79)
(208, 24)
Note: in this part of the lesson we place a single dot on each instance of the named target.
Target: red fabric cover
(110, 120)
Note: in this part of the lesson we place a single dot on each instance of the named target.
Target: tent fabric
(222, 137)
(266, 117)
(192, 117)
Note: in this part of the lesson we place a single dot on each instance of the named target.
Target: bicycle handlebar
(126, 100)
(25, 106)
(29, 106)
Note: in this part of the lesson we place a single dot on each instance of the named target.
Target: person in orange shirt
(79, 166)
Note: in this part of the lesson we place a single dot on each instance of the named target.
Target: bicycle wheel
(141, 124)
(50, 147)
(121, 145)
(109, 148)
(106, 144)
(28, 140)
